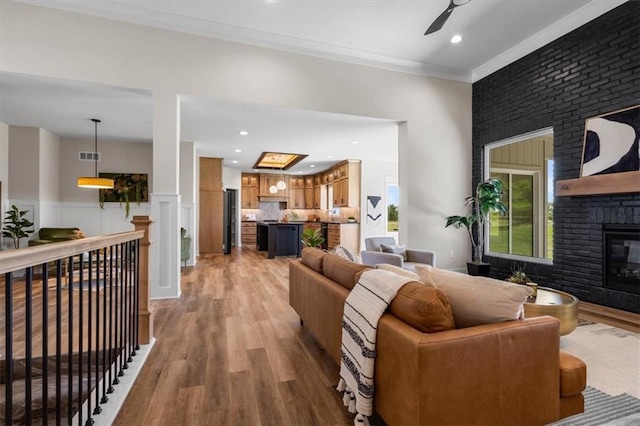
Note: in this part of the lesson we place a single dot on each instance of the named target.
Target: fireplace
(622, 257)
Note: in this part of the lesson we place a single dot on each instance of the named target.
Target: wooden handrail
(12, 260)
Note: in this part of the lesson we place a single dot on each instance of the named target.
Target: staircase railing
(75, 313)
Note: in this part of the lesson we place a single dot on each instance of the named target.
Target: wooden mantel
(615, 183)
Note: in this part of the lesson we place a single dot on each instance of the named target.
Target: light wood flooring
(231, 351)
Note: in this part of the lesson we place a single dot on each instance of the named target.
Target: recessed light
(355, 142)
(456, 39)
(300, 172)
(329, 156)
(243, 133)
(235, 161)
(238, 150)
(312, 165)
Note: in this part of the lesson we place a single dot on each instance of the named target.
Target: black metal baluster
(58, 340)
(45, 342)
(8, 349)
(123, 313)
(28, 343)
(80, 335)
(90, 334)
(120, 330)
(70, 343)
(105, 398)
(113, 324)
(129, 284)
(127, 307)
(97, 410)
(136, 275)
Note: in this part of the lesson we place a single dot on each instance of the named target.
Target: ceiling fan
(440, 20)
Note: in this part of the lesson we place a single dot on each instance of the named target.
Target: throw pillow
(424, 308)
(395, 249)
(345, 253)
(398, 270)
(480, 300)
(424, 272)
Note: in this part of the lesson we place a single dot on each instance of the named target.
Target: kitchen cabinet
(210, 230)
(346, 235)
(346, 186)
(248, 234)
(279, 238)
(296, 198)
(269, 180)
(249, 191)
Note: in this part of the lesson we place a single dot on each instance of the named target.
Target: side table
(554, 303)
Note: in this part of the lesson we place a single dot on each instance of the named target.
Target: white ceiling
(382, 33)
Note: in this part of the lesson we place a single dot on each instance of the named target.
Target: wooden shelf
(615, 183)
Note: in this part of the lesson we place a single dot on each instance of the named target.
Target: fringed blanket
(363, 308)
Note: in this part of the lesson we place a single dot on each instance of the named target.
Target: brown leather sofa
(503, 373)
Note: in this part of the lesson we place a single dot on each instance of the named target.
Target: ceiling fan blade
(440, 20)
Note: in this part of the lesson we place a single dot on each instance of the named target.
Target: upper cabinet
(268, 180)
(346, 184)
(249, 193)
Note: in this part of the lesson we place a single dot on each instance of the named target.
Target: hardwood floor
(231, 351)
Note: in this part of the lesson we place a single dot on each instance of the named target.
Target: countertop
(301, 221)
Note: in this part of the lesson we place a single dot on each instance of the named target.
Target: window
(524, 164)
(393, 202)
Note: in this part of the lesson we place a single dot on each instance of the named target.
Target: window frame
(542, 200)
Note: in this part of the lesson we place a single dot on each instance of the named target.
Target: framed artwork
(612, 143)
(127, 187)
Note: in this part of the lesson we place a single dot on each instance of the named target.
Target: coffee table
(557, 304)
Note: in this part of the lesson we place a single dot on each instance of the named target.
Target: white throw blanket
(363, 308)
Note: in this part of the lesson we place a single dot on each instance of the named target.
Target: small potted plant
(15, 225)
(518, 276)
(485, 200)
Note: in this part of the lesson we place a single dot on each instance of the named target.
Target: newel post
(145, 318)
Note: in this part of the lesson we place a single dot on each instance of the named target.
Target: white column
(188, 192)
(165, 199)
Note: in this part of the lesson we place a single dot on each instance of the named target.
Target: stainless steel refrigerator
(230, 218)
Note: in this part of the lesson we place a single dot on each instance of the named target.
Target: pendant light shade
(94, 181)
(273, 189)
(281, 185)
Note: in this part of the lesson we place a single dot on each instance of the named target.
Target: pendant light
(281, 184)
(95, 182)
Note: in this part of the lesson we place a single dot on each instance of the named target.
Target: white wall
(374, 174)
(24, 154)
(49, 166)
(434, 144)
(4, 166)
(115, 157)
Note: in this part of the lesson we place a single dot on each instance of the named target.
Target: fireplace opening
(622, 257)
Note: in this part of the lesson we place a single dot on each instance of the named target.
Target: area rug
(603, 409)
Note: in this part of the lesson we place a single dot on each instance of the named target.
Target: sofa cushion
(345, 253)
(312, 257)
(342, 271)
(398, 270)
(477, 300)
(424, 308)
(395, 249)
(573, 375)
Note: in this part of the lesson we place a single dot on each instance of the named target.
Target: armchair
(373, 254)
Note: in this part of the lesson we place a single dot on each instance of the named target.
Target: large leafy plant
(487, 199)
(15, 225)
(312, 237)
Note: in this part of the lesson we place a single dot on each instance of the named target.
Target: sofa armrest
(501, 373)
(372, 258)
(421, 256)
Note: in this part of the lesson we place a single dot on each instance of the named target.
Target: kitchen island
(280, 238)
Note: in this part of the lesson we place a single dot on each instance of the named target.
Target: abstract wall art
(612, 143)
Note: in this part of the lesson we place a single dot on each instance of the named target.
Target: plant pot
(478, 269)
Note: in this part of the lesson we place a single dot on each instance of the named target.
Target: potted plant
(312, 237)
(485, 200)
(518, 276)
(15, 224)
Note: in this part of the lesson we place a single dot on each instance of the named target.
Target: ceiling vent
(88, 156)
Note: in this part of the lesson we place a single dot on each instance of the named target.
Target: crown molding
(560, 28)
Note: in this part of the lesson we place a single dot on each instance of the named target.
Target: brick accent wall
(593, 70)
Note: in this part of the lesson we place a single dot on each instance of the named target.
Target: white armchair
(373, 254)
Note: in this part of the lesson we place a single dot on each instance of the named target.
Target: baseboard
(610, 316)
